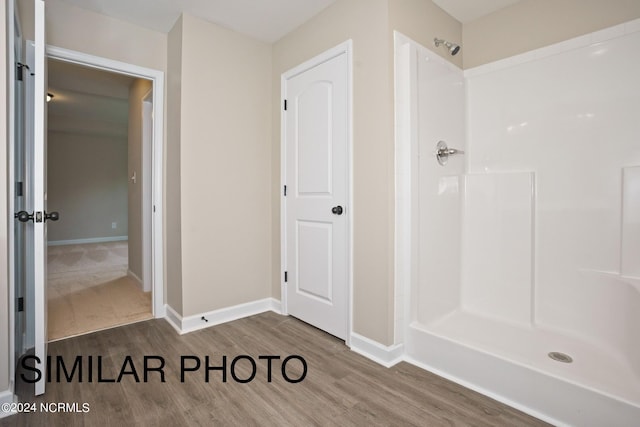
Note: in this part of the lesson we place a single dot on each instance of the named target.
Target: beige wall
(79, 29)
(87, 184)
(422, 21)
(224, 167)
(531, 24)
(138, 90)
(85, 31)
(173, 232)
(4, 220)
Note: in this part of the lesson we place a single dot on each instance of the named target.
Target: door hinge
(20, 304)
(286, 277)
(154, 208)
(19, 189)
(285, 191)
(285, 105)
(20, 70)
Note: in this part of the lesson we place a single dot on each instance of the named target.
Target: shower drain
(560, 357)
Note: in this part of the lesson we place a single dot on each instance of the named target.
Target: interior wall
(79, 29)
(422, 21)
(139, 88)
(87, 184)
(531, 24)
(224, 167)
(4, 207)
(173, 200)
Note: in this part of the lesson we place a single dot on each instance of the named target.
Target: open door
(17, 189)
(31, 241)
(40, 193)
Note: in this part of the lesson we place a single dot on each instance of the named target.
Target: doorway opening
(95, 178)
(144, 170)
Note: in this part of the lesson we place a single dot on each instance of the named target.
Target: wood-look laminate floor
(341, 388)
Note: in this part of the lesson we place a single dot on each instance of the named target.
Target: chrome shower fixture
(452, 47)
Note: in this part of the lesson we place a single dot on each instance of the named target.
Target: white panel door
(316, 127)
(40, 192)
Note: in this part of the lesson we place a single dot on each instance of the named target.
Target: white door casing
(40, 193)
(153, 202)
(316, 141)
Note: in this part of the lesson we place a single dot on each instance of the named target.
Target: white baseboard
(161, 312)
(83, 241)
(386, 356)
(188, 324)
(173, 318)
(7, 397)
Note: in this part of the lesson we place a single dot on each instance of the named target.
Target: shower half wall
(529, 243)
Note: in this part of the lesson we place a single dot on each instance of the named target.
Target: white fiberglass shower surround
(518, 262)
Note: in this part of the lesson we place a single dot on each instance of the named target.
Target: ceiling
(266, 20)
(87, 101)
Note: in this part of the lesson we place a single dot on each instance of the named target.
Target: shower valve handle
(443, 152)
(449, 152)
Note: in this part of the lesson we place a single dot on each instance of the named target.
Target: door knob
(23, 216)
(53, 216)
(337, 210)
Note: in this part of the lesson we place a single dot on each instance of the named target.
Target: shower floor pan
(511, 363)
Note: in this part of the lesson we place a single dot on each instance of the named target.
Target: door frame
(343, 48)
(157, 147)
(13, 29)
(147, 189)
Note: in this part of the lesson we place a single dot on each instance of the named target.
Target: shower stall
(518, 258)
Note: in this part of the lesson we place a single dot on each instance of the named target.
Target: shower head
(452, 47)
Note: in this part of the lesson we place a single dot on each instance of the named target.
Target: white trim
(157, 77)
(343, 48)
(85, 241)
(283, 200)
(174, 319)
(39, 189)
(147, 189)
(386, 356)
(352, 208)
(216, 317)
